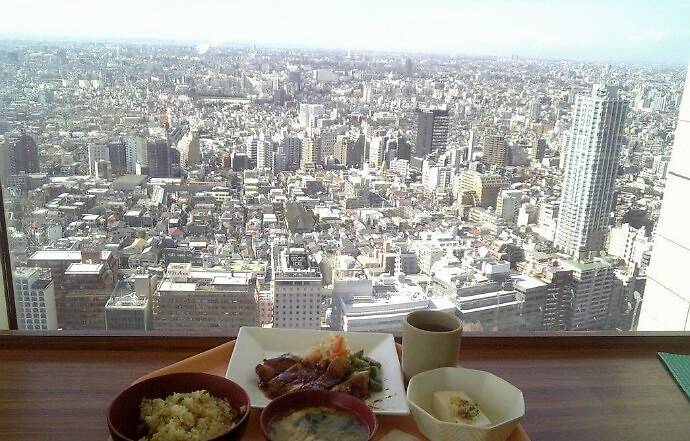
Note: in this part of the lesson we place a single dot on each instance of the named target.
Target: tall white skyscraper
(252, 147)
(135, 152)
(265, 154)
(666, 304)
(308, 114)
(377, 147)
(591, 162)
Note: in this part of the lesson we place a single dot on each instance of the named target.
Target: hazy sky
(606, 30)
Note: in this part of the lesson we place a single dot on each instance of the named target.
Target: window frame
(6, 269)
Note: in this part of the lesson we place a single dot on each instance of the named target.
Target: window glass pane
(203, 187)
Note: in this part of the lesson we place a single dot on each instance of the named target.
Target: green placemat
(679, 367)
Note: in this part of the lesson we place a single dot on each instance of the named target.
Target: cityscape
(201, 188)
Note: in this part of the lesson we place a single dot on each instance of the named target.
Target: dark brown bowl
(123, 413)
(316, 398)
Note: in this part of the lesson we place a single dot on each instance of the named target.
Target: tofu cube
(443, 408)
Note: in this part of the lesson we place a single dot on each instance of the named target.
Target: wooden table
(576, 387)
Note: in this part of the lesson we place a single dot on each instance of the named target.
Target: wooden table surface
(576, 388)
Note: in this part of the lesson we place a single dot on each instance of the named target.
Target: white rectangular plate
(255, 344)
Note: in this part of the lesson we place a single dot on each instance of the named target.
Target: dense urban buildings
(167, 188)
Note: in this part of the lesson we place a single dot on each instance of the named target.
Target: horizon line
(182, 42)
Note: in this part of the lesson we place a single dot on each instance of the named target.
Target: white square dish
(255, 344)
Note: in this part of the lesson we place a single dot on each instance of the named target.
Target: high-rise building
(538, 150)
(97, 152)
(348, 151)
(252, 146)
(265, 154)
(196, 299)
(376, 150)
(508, 205)
(175, 169)
(295, 79)
(279, 97)
(534, 110)
(87, 287)
(342, 146)
(409, 67)
(117, 155)
(20, 154)
(103, 169)
(471, 144)
(239, 161)
(309, 113)
(436, 178)
(367, 93)
(129, 306)
(135, 153)
(593, 282)
(356, 193)
(496, 150)
(400, 167)
(558, 303)
(628, 243)
(404, 148)
(34, 298)
(483, 187)
(159, 159)
(432, 131)
(591, 165)
(297, 288)
(554, 284)
(666, 303)
(57, 261)
(190, 150)
(311, 151)
(329, 136)
(4, 158)
(291, 147)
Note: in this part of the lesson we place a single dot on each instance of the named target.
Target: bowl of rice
(180, 407)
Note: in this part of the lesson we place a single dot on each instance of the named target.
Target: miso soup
(318, 424)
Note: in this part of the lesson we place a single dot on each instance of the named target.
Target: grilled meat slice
(295, 378)
(265, 372)
(293, 387)
(357, 385)
(336, 372)
(303, 377)
(275, 387)
(324, 382)
(282, 362)
(288, 373)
